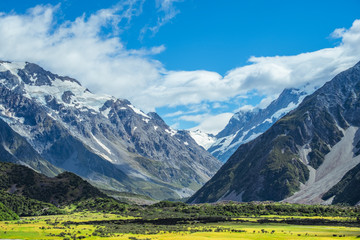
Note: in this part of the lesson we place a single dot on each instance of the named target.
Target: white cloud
(102, 63)
(245, 108)
(174, 114)
(267, 100)
(78, 49)
(183, 88)
(209, 123)
(218, 105)
(267, 75)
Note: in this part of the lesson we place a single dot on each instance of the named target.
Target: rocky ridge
(303, 156)
(101, 138)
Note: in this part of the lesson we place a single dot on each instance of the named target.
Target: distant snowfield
(203, 139)
(336, 164)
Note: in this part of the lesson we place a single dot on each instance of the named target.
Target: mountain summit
(245, 126)
(308, 156)
(103, 139)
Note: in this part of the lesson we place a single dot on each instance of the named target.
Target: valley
(179, 120)
(169, 220)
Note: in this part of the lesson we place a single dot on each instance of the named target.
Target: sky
(195, 62)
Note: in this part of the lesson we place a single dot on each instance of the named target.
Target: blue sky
(194, 62)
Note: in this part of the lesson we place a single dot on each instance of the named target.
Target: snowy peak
(203, 139)
(311, 155)
(55, 91)
(245, 126)
(32, 74)
(101, 138)
(48, 88)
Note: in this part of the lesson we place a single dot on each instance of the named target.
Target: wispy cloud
(167, 12)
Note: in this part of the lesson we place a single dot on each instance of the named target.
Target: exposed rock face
(245, 126)
(302, 156)
(101, 138)
(14, 148)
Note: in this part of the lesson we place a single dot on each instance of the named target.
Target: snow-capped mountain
(205, 140)
(311, 155)
(245, 126)
(103, 139)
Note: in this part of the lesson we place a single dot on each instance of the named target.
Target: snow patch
(13, 67)
(105, 157)
(138, 111)
(101, 144)
(242, 140)
(283, 111)
(268, 120)
(106, 112)
(146, 120)
(171, 131)
(202, 139)
(156, 127)
(186, 143)
(224, 142)
(10, 115)
(82, 99)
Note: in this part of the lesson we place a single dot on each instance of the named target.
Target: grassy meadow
(95, 225)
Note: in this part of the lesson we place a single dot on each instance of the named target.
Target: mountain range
(311, 155)
(303, 148)
(245, 126)
(51, 123)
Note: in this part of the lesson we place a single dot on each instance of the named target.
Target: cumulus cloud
(268, 75)
(100, 61)
(79, 49)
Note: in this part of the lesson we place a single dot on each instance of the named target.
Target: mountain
(303, 156)
(63, 189)
(245, 126)
(14, 148)
(343, 191)
(205, 140)
(100, 138)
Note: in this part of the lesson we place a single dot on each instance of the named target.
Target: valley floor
(88, 225)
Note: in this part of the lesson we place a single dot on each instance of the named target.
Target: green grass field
(57, 227)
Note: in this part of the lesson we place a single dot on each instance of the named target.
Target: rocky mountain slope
(245, 126)
(303, 156)
(103, 139)
(346, 191)
(14, 148)
(65, 188)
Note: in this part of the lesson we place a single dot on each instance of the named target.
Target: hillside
(63, 189)
(6, 213)
(105, 140)
(302, 156)
(14, 148)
